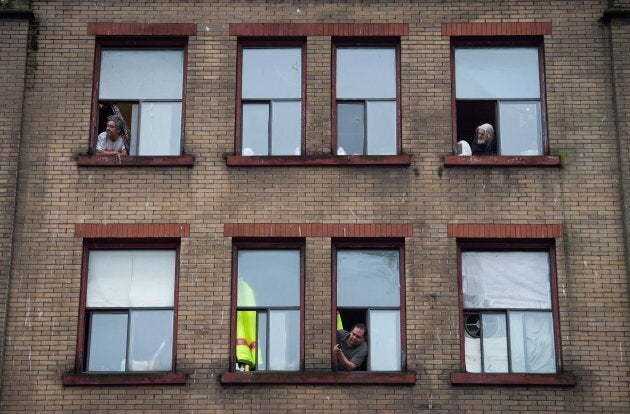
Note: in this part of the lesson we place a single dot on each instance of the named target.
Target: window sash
(132, 337)
(271, 127)
(497, 73)
(366, 72)
(135, 74)
(512, 341)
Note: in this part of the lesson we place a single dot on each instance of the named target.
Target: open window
(268, 307)
(500, 84)
(128, 310)
(271, 90)
(141, 81)
(508, 309)
(368, 290)
(366, 94)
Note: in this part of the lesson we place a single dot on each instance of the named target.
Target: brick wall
(55, 195)
(13, 44)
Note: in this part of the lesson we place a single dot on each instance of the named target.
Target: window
(368, 285)
(500, 84)
(129, 308)
(144, 84)
(268, 317)
(271, 89)
(366, 93)
(508, 309)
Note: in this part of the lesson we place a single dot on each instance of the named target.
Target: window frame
(126, 43)
(268, 43)
(511, 245)
(494, 159)
(358, 42)
(363, 244)
(83, 377)
(267, 244)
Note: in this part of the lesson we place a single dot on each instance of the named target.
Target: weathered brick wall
(55, 194)
(13, 46)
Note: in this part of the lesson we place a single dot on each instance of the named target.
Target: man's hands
(341, 359)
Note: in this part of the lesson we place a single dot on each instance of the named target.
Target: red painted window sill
(465, 378)
(145, 378)
(501, 161)
(317, 160)
(325, 377)
(129, 161)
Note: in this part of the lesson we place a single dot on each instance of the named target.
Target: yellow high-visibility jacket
(246, 347)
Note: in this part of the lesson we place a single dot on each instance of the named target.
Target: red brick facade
(58, 198)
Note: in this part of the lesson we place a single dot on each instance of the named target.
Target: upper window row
(498, 99)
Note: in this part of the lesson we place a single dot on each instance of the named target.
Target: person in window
(351, 348)
(111, 141)
(483, 143)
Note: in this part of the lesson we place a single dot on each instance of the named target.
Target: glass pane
(350, 128)
(255, 134)
(126, 278)
(151, 340)
(141, 74)
(367, 72)
(368, 278)
(497, 72)
(107, 343)
(109, 278)
(520, 128)
(268, 278)
(506, 280)
(153, 278)
(286, 128)
(160, 128)
(494, 342)
(472, 349)
(284, 340)
(381, 127)
(270, 73)
(532, 342)
(261, 361)
(384, 340)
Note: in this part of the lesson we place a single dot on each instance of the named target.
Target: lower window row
(508, 318)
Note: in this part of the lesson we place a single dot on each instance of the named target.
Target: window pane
(472, 348)
(284, 340)
(160, 128)
(109, 278)
(153, 278)
(272, 275)
(497, 72)
(286, 128)
(381, 127)
(151, 340)
(261, 342)
(532, 342)
(506, 280)
(368, 278)
(107, 342)
(350, 128)
(494, 342)
(384, 340)
(255, 136)
(520, 128)
(131, 278)
(364, 73)
(141, 74)
(270, 73)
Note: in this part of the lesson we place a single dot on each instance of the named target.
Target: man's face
(356, 337)
(482, 136)
(112, 132)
